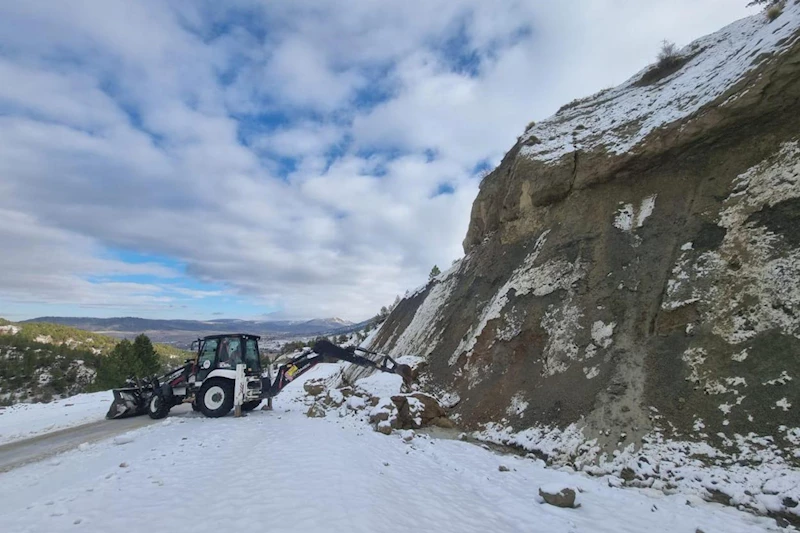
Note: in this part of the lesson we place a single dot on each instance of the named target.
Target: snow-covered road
(40, 447)
(26, 420)
(281, 471)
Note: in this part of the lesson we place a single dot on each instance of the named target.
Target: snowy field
(282, 471)
(26, 420)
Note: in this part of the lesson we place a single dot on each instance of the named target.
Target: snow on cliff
(618, 119)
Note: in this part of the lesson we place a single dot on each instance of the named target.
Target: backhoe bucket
(127, 402)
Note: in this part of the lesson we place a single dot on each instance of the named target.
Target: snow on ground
(25, 420)
(757, 477)
(282, 471)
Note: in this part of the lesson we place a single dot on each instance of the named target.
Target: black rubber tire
(157, 407)
(249, 406)
(225, 387)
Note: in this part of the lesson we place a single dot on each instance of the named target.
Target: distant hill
(40, 361)
(182, 332)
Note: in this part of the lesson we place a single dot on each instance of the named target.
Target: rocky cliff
(632, 267)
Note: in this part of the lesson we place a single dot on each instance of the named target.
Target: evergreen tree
(434, 272)
(146, 359)
(127, 359)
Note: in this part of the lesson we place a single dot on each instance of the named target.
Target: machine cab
(224, 352)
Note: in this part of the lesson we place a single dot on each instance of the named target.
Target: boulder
(333, 398)
(315, 411)
(559, 497)
(404, 418)
(419, 410)
(431, 408)
(314, 387)
(383, 427)
(380, 416)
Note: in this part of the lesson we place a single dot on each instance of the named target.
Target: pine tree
(146, 359)
(137, 359)
(434, 272)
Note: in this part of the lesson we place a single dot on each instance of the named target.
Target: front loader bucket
(129, 402)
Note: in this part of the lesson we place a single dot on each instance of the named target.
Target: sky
(278, 159)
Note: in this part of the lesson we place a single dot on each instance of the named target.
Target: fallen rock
(123, 465)
(333, 398)
(384, 427)
(314, 387)
(379, 416)
(503, 468)
(315, 411)
(404, 418)
(627, 474)
(417, 410)
(559, 497)
(431, 408)
(717, 496)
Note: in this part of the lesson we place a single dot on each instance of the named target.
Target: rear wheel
(249, 406)
(216, 397)
(157, 407)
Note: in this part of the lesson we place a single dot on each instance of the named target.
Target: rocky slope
(632, 268)
(34, 372)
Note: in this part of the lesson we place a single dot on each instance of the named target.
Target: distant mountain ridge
(184, 330)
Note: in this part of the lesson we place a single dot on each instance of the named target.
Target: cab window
(251, 358)
(230, 353)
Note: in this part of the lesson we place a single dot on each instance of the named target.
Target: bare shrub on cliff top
(668, 55)
(774, 11)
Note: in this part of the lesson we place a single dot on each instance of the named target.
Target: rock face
(633, 264)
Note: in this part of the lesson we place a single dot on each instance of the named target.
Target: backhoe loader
(207, 381)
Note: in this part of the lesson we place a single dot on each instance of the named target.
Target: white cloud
(280, 149)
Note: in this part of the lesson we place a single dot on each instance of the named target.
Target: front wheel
(158, 407)
(216, 397)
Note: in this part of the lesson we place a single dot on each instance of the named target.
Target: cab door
(207, 361)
